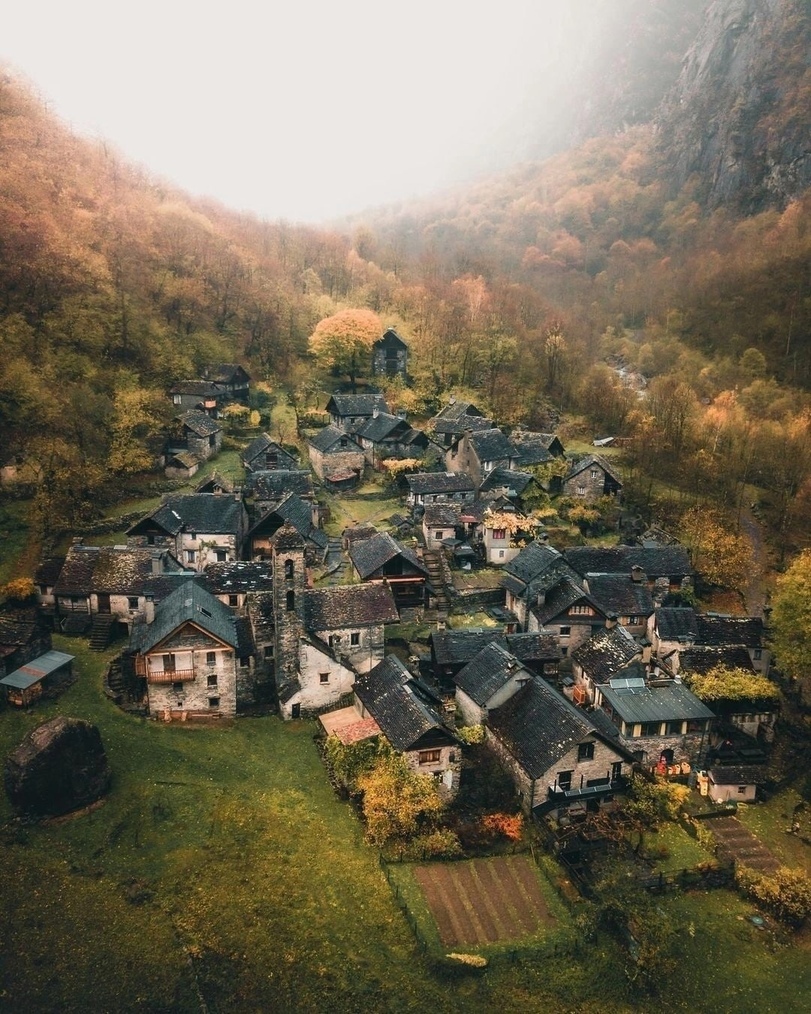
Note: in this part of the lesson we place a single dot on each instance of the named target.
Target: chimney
(376, 411)
(149, 609)
(637, 574)
(157, 562)
(611, 621)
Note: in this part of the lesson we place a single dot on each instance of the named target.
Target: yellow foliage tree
(396, 801)
(344, 341)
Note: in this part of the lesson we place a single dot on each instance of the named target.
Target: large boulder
(59, 766)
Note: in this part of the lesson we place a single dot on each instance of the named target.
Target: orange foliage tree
(344, 341)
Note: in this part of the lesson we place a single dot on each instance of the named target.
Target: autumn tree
(343, 342)
(720, 555)
(397, 802)
(791, 620)
(731, 683)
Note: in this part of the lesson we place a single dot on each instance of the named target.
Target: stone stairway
(101, 633)
(436, 575)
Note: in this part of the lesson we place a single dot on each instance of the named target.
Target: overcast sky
(304, 110)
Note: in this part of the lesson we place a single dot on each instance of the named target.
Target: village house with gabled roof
(508, 483)
(426, 488)
(591, 478)
(487, 681)
(536, 448)
(201, 395)
(567, 611)
(351, 620)
(452, 421)
(266, 488)
(666, 568)
(215, 483)
(602, 656)
(263, 455)
(382, 558)
(349, 411)
(626, 598)
(200, 434)
(232, 379)
(233, 582)
(409, 716)
(189, 655)
(24, 635)
(478, 452)
(530, 575)
(290, 510)
(439, 522)
(452, 650)
(389, 436)
(197, 528)
(557, 757)
(708, 639)
(390, 356)
(336, 456)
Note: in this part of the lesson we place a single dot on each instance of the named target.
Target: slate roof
(533, 448)
(456, 410)
(491, 445)
(539, 727)
(456, 647)
(287, 538)
(655, 703)
(488, 672)
(215, 479)
(326, 439)
(673, 624)
(49, 570)
(353, 605)
(275, 484)
(699, 659)
(369, 555)
(532, 562)
(442, 515)
(726, 630)
(19, 627)
(738, 774)
(403, 708)
(560, 597)
(390, 337)
(605, 653)
(190, 603)
(384, 427)
(592, 459)
(186, 459)
(206, 513)
(356, 404)
(506, 478)
(421, 483)
(226, 373)
(299, 514)
(657, 561)
(620, 595)
(456, 427)
(114, 570)
(264, 443)
(199, 423)
(237, 576)
(195, 388)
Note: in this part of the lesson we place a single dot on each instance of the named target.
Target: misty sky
(302, 110)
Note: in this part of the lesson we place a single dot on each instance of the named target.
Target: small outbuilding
(52, 670)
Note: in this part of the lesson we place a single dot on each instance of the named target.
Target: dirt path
(738, 842)
(754, 593)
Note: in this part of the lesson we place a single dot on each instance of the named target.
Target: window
(581, 610)
(430, 756)
(168, 663)
(212, 680)
(564, 649)
(673, 728)
(650, 729)
(594, 473)
(290, 601)
(177, 400)
(214, 702)
(211, 658)
(616, 771)
(221, 555)
(741, 790)
(190, 555)
(696, 725)
(354, 638)
(268, 651)
(132, 602)
(233, 600)
(288, 569)
(581, 491)
(758, 654)
(565, 631)
(177, 688)
(334, 640)
(150, 540)
(323, 677)
(564, 779)
(439, 536)
(585, 751)
(499, 533)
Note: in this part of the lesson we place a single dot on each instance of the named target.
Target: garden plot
(485, 901)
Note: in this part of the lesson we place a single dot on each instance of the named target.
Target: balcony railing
(175, 676)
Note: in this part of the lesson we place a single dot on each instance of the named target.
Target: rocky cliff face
(738, 117)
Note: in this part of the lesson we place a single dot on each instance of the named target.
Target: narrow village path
(737, 842)
(754, 593)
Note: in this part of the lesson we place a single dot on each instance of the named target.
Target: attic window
(205, 612)
(499, 533)
(594, 473)
(585, 751)
(430, 756)
(354, 638)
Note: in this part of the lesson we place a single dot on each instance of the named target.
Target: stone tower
(289, 584)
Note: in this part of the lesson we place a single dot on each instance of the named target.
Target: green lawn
(770, 822)
(223, 866)
(13, 536)
(683, 851)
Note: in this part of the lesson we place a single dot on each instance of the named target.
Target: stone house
(409, 716)
(591, 478)
(200, 434)
(441, 521)
(568, 612)
(597, 660)
(536, 448)
(708, 639)
(530, 575)
(507, 484)
(452, 650)
(197, 528)
(349, 411)
(334, 452)
(390, 356)
(660, 721)
(487, 681)
(303, 516)
(264, 489)
(215, 482)
(264, 455)
(231, 379)
(198, 395)
(735, 782)
(426, 488)
(665, 568)
(351, 621)
(624, 598)
(478, 452)
(181, 464)
(451, 422)
(556, 756)
(114, 581)
(24, 635)
(235, 582)
(189, 655)
(381, 558)
(388, 436)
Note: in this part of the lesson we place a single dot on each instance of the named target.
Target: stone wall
(330, 463)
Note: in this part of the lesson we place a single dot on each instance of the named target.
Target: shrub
(786, 893)
(397, 803)
(653, 802)
(441, 843)
(471, 734)
(474, 960)
(507, 825)
(19, 590)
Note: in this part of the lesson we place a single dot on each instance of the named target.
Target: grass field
(223, 867)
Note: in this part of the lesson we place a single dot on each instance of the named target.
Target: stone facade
(204, 447)
(326, 463)
(442, 763)
(359, 647)
(191, 672)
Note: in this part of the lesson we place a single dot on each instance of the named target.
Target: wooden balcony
(175, 676)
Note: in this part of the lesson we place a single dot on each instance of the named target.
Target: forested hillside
(537, 290)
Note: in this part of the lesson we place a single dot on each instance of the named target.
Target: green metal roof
(32, 672)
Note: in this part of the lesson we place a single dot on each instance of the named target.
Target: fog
(306, 111)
